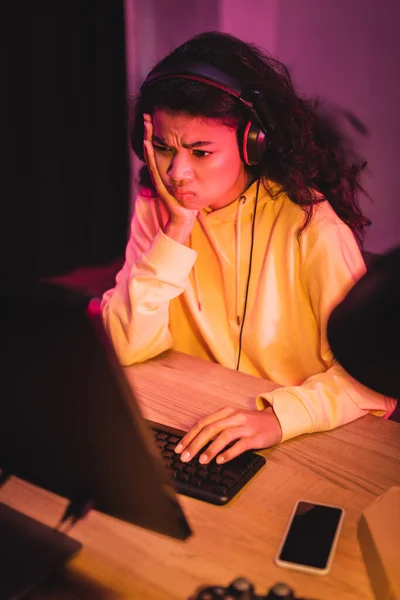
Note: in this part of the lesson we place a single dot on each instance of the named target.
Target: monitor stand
(30, 553)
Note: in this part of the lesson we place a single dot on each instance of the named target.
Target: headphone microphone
(253, 138)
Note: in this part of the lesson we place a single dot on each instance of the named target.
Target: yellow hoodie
(192, 298)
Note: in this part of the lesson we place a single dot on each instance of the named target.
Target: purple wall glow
(344, 51)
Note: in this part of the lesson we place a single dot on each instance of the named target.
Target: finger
(152, 166)
(244, 444)
(148, 127)
(149, 155)
(208, 433)
(226, 437)
(197, 427)
(148, 141)
(148, 151)
(146, 160)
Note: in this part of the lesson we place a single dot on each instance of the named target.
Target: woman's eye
(161, 148)
(201, 153)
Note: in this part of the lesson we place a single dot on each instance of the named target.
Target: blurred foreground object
(364, 329)
(378, 534)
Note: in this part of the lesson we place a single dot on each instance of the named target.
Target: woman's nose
(180, 168)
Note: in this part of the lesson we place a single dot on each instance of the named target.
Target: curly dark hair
(306, 152)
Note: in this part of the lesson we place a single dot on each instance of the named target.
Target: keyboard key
(181, 476)
(228, 472)
(215, 468)
(191, 469)
(219, 489)
(202, 472)
(196, 481)
(228, 481)
(178, 466)
(161, 443)
(170, 447)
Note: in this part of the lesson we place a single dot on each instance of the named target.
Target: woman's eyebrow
(188, 146)
(197, 145)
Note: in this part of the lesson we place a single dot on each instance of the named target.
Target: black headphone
(254, 137)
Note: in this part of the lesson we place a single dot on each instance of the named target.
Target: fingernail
(203, 459)
(185, 456)
(178, 448)
(220, 460)
(146, 117)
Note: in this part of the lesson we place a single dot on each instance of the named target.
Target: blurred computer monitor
(69, 421)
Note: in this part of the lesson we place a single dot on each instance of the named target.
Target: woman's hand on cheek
(181, 219)
(247, 429)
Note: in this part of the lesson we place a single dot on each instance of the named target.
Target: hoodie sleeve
(332, 398)
(136, 311)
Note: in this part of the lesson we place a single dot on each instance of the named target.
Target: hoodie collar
(246, 202)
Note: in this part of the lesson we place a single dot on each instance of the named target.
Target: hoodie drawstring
(195, 279)
(238, 226)
(239, 310)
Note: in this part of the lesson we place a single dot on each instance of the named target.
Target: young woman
(242, 242)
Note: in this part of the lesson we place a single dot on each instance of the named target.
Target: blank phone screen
(311, 535)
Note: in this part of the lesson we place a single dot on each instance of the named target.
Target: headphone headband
(209, 75)
(254, 144)
(198, 71)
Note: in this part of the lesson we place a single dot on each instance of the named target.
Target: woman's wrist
(179, 231)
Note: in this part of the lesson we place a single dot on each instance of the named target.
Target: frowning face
(198, 159)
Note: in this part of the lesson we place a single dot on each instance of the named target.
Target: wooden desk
(350, 467)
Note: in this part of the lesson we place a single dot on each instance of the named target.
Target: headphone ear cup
(252, 144)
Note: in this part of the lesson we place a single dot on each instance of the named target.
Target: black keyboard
(212, 483)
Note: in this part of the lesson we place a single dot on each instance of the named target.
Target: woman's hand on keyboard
(246, 429)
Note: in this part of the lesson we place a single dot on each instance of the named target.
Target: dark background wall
(65, 176)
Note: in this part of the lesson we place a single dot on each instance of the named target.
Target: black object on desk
(242, 589)
(29, 553)
(69, 423)
(364, 329)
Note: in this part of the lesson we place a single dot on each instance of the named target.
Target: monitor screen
(69, 421)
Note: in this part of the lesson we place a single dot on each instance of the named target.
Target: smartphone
(310, 538)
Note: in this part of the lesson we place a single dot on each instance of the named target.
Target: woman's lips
(181, 194)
